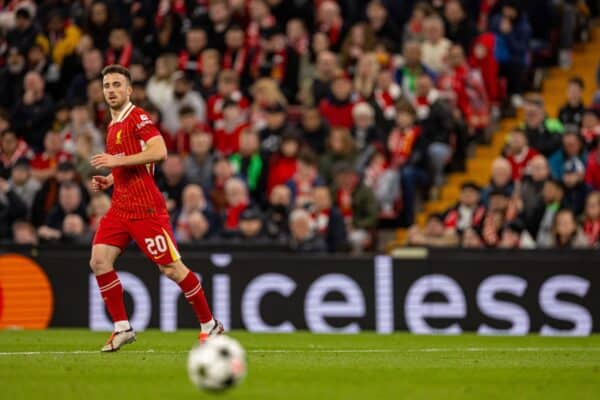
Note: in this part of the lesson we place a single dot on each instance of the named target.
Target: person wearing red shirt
(402, 138)
(592, 170)
(591, 219)
(518, 153)
(284, 163)
(188, 125)
(337, 109)
(227, 88)
(137, 210)
(227, 137)
(44, 164)
(12, 148)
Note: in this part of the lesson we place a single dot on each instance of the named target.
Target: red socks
(190, 285)
(112, 293)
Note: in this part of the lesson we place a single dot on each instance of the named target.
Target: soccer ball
(217, 364)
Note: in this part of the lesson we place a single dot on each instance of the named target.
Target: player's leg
(194, 293)
(155, 238)
(109, 241)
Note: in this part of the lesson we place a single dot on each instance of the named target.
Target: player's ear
(129, 89)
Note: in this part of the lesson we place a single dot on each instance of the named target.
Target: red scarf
(124, 57)
(232, 219)
(386, 100)
(344, 202)
(400, 144)
(321, 220)
(279, 64)
(184, 59)
(237, 61)
(592, 230)
(22, 150)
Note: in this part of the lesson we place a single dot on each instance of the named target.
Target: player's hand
(105, 161)
(100, 183)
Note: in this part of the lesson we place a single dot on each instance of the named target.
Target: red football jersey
(135, 194)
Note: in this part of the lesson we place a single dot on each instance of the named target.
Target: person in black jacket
(12, 208)
(571, 113)
(459, 28)
(328, 220)
(544, 134)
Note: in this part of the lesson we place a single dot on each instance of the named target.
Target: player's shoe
(118, 339)
(216, 330)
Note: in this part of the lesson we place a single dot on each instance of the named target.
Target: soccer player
(138, 210)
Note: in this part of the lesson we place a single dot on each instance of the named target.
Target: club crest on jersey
(119, 133)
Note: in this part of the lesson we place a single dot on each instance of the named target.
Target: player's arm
(100, 183)
(155, 151)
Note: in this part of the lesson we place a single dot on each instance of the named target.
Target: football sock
(112, 293)
(193, 292)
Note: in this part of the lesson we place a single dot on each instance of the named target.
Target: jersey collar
(124, 113)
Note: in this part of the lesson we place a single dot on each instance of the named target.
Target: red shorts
(153, 236)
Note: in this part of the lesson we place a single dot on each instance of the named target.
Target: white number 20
(156, 245)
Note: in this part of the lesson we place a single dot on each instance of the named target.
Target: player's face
(117, 90)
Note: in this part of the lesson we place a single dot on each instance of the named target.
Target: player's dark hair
(116, 69)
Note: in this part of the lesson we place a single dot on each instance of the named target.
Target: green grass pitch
(66, 364)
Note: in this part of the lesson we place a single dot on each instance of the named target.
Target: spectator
(315, 130)
(227, 137)
(120, 49)
(385, 29)
(23, 184)
(98, 207)
(183, 96)
(190, 58)
(12, 77)
(327, 70)
(12, 208)
(329, 21)
(412, 68)
(74, 230)
(171, 181)
(328, 220)
(12, 149)
(365, 76)
(542, 132)
(575, 188)
(434, 234)
(25, 33)
(435, 118)
(501, 179)
(305, 179)
(460, 29)
(340, 147)
(278, 209)
(468, 212)
(222, 171)
(471, 240)
(414, 28)
(566, 233)
(283, 165)
(359, 41)
(251, 227)
(220, 19)
(193, 200)
(236, 55)
(70, 201)
(365, 133)
(44, 164)
(515, 236)
(303, 238)
(84, 151)
(384, 181)
(24, 233)
(591, 219)
(387, 93)
(199, 228)
(435, 47)
(198, 164)
(250, 165)
(188, 125)
(590, 127)
(403, 137)
(260, 19)
(160, 87)
(337, 108)
(236, 196)
(571, 113)
(99, 24)
(518, 153)
(276, 127)
(358, 206)
(541, 222)
(33, 114)
(490, 229)
(227, 89)
(592, 169)
(572, 149)
(63, 37)
(79, 124)
(512, 30)
(529, 193)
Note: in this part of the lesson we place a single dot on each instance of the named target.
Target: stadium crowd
(307, 123)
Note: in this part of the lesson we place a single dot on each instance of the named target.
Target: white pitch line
(284, 351)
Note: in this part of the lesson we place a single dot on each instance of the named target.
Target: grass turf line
(304, 366)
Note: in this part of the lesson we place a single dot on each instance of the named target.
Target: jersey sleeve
(144, 127)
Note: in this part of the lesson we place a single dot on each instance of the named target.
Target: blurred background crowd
(306, 124)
